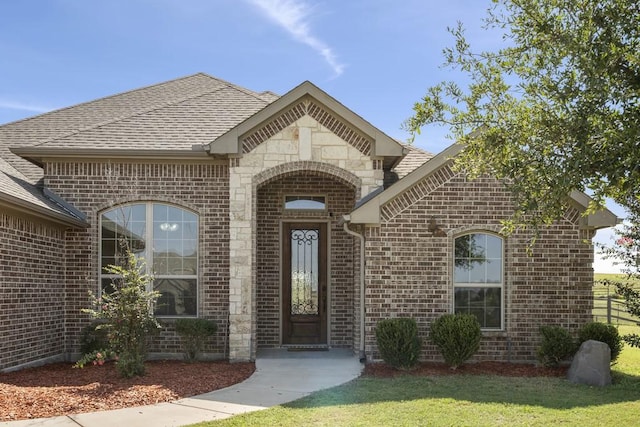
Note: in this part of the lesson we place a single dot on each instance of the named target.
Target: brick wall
(409, 268)
(95, 186)
(269, 214)
(32, 291)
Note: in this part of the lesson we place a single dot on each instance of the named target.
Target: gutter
(362, 354)
(37, 154)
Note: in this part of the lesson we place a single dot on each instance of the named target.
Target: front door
(304, 279)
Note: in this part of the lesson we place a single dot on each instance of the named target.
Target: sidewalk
(280, 377)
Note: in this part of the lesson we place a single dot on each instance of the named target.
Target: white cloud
(292, 15)
(12, 105)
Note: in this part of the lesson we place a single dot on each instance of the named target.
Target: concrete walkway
(281, 376)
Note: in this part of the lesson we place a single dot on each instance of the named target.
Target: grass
(464, 400)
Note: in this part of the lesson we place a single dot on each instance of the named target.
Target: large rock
(591, 365)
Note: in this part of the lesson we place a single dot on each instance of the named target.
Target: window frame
(304, 197)
(482, 285)
(147, 252)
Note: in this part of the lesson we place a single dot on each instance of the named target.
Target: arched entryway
(304, 260)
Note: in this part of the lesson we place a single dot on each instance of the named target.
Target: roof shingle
(167, 116)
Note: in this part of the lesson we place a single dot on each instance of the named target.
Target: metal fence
(611, 309)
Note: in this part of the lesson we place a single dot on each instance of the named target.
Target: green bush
(127, 316)
(398, 342)
(194, 333)
(557, 345)
(457, 336)
(602, 332)
(93, 338)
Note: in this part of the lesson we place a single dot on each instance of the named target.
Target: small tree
(127, 316)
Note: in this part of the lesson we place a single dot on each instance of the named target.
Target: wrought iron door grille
(304, 271)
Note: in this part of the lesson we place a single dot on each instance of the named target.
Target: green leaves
(127, 315)
(558, 105)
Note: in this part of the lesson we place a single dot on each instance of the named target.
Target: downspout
(347, 218)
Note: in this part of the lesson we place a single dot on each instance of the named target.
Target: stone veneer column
(241, 265)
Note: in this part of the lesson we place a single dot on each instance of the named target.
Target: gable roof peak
(383, 145)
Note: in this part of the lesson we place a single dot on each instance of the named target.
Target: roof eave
(602, 218)
(41, 212)
(37, 155)
(369, 212)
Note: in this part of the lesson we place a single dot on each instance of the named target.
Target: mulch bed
(59, 389)
(481, 368)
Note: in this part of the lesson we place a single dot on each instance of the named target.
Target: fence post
(609, 309)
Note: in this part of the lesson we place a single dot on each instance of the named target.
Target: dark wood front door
(304, 279)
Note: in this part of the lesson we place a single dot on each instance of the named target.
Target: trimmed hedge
(557, 345)
(457, 336)
(602, 332)
(398, 342)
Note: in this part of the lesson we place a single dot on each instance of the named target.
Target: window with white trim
(166, 236)
(478, 278)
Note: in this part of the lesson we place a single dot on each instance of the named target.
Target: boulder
(591, 365)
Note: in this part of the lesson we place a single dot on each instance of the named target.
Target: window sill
(174, 318)
(494, 333)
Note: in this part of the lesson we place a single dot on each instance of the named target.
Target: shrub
(557, 345)
(398, 342)
(194, 333)
(602, 332)
(93, 338)
(457, 336)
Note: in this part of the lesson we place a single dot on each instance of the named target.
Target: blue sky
(375, 56)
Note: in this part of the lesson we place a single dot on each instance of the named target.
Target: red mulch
(59, 389)
(481, 368)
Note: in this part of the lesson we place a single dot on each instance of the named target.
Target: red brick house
(290, 221)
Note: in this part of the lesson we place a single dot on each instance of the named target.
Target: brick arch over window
(125, 200)
(308, 168)
(477, 228)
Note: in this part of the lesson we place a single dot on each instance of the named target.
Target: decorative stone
(591, 365)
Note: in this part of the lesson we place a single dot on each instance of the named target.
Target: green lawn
(464, 400)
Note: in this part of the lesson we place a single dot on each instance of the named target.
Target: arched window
(478, 278)
(166, 237)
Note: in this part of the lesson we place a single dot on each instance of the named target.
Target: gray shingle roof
(195, 120)
(412, 161)
(172, 115)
